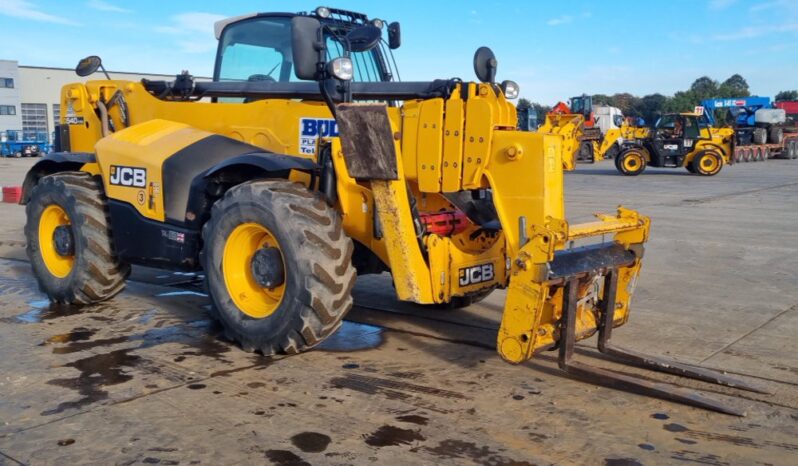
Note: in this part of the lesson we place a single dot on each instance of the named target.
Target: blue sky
(554, 50)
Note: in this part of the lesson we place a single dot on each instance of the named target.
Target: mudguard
(53, 163)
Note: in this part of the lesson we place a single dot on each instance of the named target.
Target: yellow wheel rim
(239, 249)
(632, 162)
(53, 217)
(709, 164)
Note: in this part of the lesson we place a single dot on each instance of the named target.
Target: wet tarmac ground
(146, 378)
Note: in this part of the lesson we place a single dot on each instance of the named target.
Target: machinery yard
(146, 378)
(290, 255)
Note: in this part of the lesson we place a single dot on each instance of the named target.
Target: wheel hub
(64, 241)
(267, 267)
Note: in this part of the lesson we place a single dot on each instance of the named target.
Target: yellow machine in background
(678, 140)
(278, 184)
(569, 127)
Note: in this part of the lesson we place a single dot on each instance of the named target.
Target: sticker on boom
(476, 274)
(311, 129)
(132, 177)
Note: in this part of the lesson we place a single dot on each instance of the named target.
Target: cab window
(259, 49)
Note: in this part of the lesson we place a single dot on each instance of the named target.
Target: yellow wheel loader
(678, 140)
(305, 163)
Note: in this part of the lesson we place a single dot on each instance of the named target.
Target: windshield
(259, 49)
(667, 122)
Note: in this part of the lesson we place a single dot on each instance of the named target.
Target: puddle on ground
(353, 336)
(459, 449)
(391, 435)
(42, 310)
(413, 419)
(77, 334)
(169, 294)
(311, 442)
(285, 458)
(96, 372)
(198, 335)
(622, 462)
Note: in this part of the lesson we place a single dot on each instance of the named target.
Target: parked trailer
(787, 149)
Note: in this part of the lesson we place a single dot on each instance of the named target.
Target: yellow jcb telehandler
(678, 140)
(297, 169)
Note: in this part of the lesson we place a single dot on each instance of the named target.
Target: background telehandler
(281, 187)
(678, 140)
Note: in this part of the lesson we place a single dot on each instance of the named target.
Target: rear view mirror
(308, 48)
(485, 65)
(394, 35)
(364, 38)
(88, 66)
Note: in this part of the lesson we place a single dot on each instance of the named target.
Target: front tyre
(631, 162)
(278, 267)
(707, 163)
(69, 240)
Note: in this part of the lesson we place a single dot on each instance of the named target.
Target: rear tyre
(776, 135)
(586, 152)
(631, 162)
(707, 163)
(690, 168)
(69, 240)
(278, 267)
(793, 153)
(760, 136)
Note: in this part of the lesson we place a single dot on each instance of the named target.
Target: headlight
(341, 68)
(378, 23)
(323, 12)
(510, 89)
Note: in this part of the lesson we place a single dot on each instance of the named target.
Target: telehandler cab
(297, 168)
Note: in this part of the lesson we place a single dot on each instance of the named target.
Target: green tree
(682, 101)
(652, 106)
(735, 86)
(704, 88)
(787, 95)
(602, 99)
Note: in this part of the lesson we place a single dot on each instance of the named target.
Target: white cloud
(750, 32)
(195, 30)
(27, 10)
(101, 5)
(195, 22)
(564, 19)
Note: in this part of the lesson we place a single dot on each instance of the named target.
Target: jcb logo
(476, 274)
(128, 176)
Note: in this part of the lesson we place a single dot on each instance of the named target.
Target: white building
(30, 96)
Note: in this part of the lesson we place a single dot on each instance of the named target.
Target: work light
(341, 68)
(510, 89)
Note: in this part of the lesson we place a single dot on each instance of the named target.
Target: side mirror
(364, 38)
(485, 65)
(308, 47)
(88, 66)
(394, 35)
